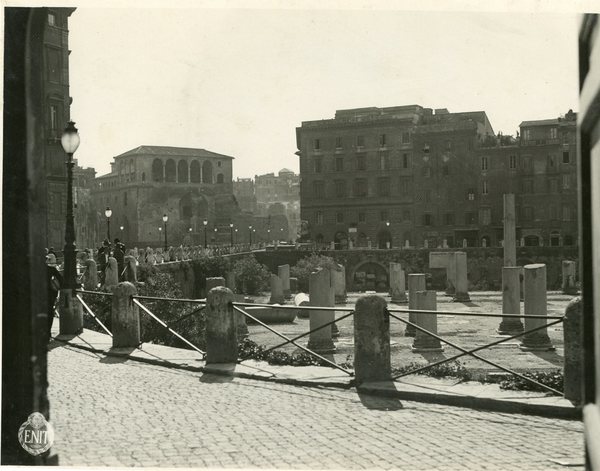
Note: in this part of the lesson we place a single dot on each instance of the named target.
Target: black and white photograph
(313, 235)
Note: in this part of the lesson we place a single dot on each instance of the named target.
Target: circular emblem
(36, 435)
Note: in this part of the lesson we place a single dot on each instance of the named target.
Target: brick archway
(369, 267)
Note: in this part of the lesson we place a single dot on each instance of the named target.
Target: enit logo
(36, 435)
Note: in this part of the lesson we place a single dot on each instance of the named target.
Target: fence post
(511, 301)
(568, 277)
(534, 287)
(416, 282)
(397, 283)
(371, 340)
(426, 300)
(125, 316)
(221, 336)
(573, 357)
(276, 290)
(90, 277)
(283, 271)
(320, 289)
(130, 269)
(111, 277)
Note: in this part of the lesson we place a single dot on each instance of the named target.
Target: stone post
(320, 288)
(568, 277)
(221, 335)
(112, 274)
(332, 245)
(536, 303)
(302, 299)
(283, 271)
(130, 269)
(125, 316)
(371, 340)
(339, 283)
(510, 234)
(90, 276)
(240, 319)
(230, 281)
(71, 313)
(276, 290)
(511, 301)
(461, 281)
(426, 300)
(573, 359)
(416, 282)
(293, 284)
(397, 283)
(213, 282)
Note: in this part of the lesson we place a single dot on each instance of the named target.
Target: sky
(239, 81)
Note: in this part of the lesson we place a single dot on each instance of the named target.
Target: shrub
(554, 379)
(251, 276)
(247, 349)
(453, 369)
(307, 265)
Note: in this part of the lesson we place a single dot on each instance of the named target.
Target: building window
(566, 213)
(526, 162)
(471, 194)
(427, 172)
(428, 196)
(553, 185)
(384, 161)
(427, 219)
(566, 158)
(470, 218)
(338, 142)
(360, 187)
(361, 162)
(405, 160)
(527, 213)
(362, 216)
(449, 219)
(484, 163)
(319, 189)
(339, 164)
(382, 140)
(317, 144)
(484, 187)
(53, 117)
(51, 19)
(512, 162)
(406, 215)
(566, 182)
(405, 186)
(527, 134)
(405, 138)
(319, 218)
(527, 186)
(485, 216)
(339, 218)
(360, 141)
(318, 164)
(553, 133)
(340, 188)
(125, 199)
(553, 212)
(384, 216)
(383, 186)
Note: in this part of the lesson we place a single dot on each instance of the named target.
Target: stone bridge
(369, 269)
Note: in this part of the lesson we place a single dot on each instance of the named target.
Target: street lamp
(205, 222)
(236, 237)
(250, 233)
(70, 142)
(216, 236)
(231, 233)
(389, 242)
(108, 214)
(165, 219)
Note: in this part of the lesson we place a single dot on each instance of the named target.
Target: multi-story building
(57, 102)
(188, 185)
(85, 212)
(415, 177)
(243, 190)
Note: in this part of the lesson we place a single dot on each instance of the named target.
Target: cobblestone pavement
(110, 412)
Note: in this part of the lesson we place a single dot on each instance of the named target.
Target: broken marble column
(536, 303)
(426, 300)
(511, 301)
(111, 278)
(221, 331)
(276, 290)
(125, 317)
(283, 271)
(320, 289)
(90, 275)
(445, 260)
(339, 283)
(510, 234)
(461, 281)
(416, 282)
(574, 352)
(568, 277)
(397, 283)
(371, 340)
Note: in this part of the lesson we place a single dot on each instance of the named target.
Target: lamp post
(250, 234)
(216, 235)
(231, 234)
(165, 219)
(70, 142)
(389, 242)
(205, 222)
(191, 236)
(159, 233)
(108, 214)
(269, 236)
(236, 237)
(122, 228)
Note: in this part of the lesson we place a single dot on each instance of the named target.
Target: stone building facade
(188, 185)
(417, 177)
(243, 190)
(57, 104)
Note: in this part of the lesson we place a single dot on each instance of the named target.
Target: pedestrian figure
(54, 280)
(103, 255)
(119, 255)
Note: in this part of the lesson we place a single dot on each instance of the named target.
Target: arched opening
(201, 208)
(157, 170)
(340, 240)
(384, 239)
(220, 178)
(532, 241)
(370, 276)
(207, 172)
(170, 171)
(319, 238)
(195, 172)
(182, 171)
(185, 207)
(361, 239)
(554, 239)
